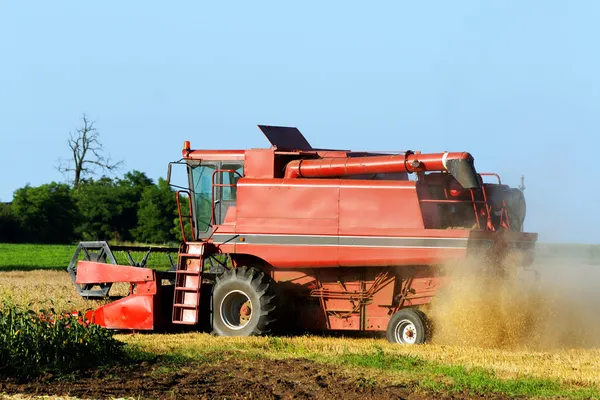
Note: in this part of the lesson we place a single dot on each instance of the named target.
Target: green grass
(443, 378)
(27, 257)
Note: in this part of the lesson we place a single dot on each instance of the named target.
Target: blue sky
(515, 83)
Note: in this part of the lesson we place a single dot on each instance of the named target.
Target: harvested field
(230, 379)
(46, 288)
(576, 367)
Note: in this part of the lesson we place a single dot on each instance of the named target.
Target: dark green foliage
(10, 231)
(32, 343)
(156, 214)
(128, 209)
(45, 214)
(99, 208)
(108, 208)
(130, 191)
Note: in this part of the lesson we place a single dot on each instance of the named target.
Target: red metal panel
(286, 225)
(378, 323)
(384, 256)
(132, 312)
(352, 323)
(379, 209)
(400, 232)
(259, 163)
(95, 272)
(292, 256)
(230, 217)
(276, 207)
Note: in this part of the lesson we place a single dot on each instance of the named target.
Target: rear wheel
(408, 326)
(243, 303)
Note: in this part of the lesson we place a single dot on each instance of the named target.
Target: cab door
(226, 190)
(214, 191)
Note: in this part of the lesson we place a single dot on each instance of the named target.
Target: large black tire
(234, 292)
(408, 326)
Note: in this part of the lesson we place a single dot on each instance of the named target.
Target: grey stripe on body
(361, 241)
(348, 241)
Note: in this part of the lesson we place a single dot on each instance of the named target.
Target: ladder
(188, 283)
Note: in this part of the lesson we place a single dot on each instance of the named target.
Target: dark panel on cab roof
(285, 138)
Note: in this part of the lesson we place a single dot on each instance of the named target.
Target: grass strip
(28, 257)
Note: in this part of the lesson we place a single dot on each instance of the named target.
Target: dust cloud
(516, 311)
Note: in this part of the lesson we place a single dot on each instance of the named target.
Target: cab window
(230, 175)
(202, 176)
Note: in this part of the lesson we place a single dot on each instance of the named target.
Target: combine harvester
(317, 239)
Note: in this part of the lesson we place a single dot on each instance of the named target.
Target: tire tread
(263, 287)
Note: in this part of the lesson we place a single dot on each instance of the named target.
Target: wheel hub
(406, 332)
(236, 309)
(245, 310)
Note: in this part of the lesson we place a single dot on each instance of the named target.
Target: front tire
(408, 326)
(243, 303)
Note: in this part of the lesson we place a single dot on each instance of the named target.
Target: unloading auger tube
(458, 164)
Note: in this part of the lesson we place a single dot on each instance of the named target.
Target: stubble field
(491, 348)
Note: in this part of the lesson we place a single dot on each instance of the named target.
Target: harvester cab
(296, 236)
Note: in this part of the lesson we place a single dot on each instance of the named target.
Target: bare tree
(86, 154)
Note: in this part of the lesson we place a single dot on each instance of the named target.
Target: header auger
(291, 236)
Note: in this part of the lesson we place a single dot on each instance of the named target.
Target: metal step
(183, 272)
(186, 300)
(187, 289)
(187, 306)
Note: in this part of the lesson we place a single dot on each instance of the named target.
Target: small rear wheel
(408, 326)
(243, 303)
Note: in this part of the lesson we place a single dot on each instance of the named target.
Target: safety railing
(478, 205)
(216, 185)
(504, 219)
(190, 215)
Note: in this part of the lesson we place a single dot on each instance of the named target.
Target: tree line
(132, 208)
(129, 209)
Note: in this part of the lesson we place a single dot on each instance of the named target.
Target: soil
(230, 379)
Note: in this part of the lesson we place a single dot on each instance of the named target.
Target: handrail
(504, 210)
(190, 216)
(489, 224)
(213, 219)
(504, 220)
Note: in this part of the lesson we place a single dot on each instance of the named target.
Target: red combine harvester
(317, 239)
